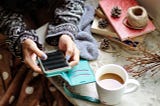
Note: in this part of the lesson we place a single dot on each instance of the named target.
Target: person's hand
(31, 51)
(67, 45)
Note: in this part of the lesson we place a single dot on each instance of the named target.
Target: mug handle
(131, 86)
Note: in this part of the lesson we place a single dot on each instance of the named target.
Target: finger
(33, 65)
(31, 62)
(31, 45)
(75, 58)
(38, 52)
(73, 63)
(69, 51)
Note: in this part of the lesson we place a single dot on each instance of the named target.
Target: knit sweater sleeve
(65, 21)
(13, 26)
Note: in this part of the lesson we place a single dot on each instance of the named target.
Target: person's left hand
(30, 52)
(72, 53)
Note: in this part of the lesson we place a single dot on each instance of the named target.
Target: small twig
(147, 62)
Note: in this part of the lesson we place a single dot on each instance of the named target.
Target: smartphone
(55, 63)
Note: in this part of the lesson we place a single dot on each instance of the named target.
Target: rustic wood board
(109, 33)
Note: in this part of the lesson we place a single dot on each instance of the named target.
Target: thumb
(69, 51)
(33, 47)
(38, 52)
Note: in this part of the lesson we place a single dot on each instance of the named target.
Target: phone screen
(55, 60)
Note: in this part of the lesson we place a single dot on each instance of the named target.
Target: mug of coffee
(112, 83)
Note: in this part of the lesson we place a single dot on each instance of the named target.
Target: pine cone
(102, 23)
(116, 12)
(105, 44)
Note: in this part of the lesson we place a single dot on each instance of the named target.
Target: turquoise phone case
(79, 74)
(82, 73)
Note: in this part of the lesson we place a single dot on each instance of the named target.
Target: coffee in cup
(112, 82)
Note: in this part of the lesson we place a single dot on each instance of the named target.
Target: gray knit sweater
(71, 18)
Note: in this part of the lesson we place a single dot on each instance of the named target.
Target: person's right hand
(30, 52)
(72, 53)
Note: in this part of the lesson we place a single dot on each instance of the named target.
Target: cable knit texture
(72, 18)
(13, 26)
(85, 41)
(78, 30)
(66, 19)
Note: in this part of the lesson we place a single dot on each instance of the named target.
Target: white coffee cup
(111, 87)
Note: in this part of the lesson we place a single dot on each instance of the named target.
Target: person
(68, 28)
(63, 28)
